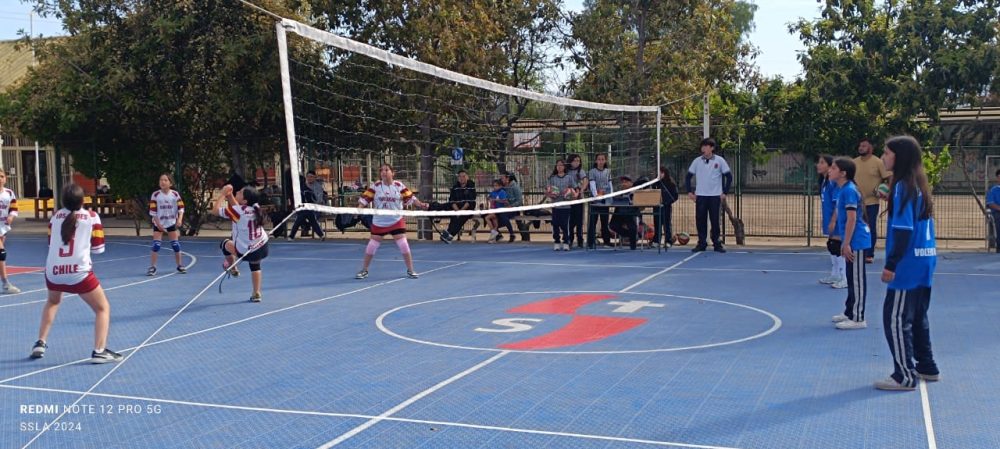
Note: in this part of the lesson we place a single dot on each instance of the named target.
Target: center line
(410, 401)
(647, 278)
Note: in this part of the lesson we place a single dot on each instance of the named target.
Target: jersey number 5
(69, 251)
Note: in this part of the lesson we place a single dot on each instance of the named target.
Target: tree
(149, 84)
(878, 66)
(504, 42)
(653, 52)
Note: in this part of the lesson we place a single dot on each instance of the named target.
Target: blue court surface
(495, 346)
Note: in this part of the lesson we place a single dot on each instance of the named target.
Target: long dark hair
(72, 200)
(908, 170)
(667, 180)
(555, 168)
(829, 161)
(251, 196)
(607, 162)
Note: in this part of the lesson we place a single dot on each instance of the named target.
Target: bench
(42, 208)
(474, 223)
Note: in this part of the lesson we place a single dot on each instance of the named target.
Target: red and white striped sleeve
(96, 234)
(12, 210)
(367, 197)
(152, 204)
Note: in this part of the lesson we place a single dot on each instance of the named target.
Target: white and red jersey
(8, 204)
(166, 207)
(391, 196)
(248, 235)
(70, 264)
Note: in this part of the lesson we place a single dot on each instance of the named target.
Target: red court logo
(581, 328)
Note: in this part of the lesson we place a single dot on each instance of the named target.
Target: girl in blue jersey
(828, 198)
(911, 256)
(854, 238)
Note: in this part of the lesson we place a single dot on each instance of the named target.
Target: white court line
(231, 323)
(458, 376)
(194, 260)
(410, 401)
(388, 418)
(41, 270)
(758, 270)
(47, 426)
(487, 262)
(928, 424)
(647, 278)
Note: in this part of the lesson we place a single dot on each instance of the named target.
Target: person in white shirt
(69, 269)
(391, 195)
(249, 239)
(8, 212)
(713, 180)
(166, 207)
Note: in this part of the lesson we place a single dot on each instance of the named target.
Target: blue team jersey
(828, 198)
(916, 268)
(849, 198)
(994, 196)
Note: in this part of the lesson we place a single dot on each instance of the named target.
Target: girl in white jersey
(8, 211)
(391, 195)
(166, 207)
(249, 239)
(75, 233)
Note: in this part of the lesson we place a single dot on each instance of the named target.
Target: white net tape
(452, 213)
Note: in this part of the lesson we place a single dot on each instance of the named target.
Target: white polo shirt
(708, 175)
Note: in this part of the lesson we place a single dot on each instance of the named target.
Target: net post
(659, 117)
(286, 94)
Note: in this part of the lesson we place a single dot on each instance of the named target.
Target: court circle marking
(380, 323)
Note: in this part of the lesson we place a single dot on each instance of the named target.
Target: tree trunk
(634, 133)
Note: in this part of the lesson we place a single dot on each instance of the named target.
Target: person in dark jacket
(668, 195)
(462, 197)
(623, 220)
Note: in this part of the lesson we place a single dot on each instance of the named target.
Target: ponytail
(72, 200)
(252, 197)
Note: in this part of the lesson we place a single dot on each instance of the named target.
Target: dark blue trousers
(904, 317)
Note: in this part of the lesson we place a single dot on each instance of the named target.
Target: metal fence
(779, 197)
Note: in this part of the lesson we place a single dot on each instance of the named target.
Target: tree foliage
(149, 84)
(877, 66)
(505, 42)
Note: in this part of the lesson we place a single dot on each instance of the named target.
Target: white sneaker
(847, 325)
(929, 377)
(10, 289)
(829, 279)
(890, 384)
(565, 246)
(839, 318)
(839, 284)
(557, 247)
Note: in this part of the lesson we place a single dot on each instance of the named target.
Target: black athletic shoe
(181, 269)
(412, 274)
(105, 356)
(699, 248)
(719, 249)
(151, 271)
(38, 351)
(361, 274)
(511, 239)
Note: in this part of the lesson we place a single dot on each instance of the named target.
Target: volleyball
(882, 191)
(682, 238)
